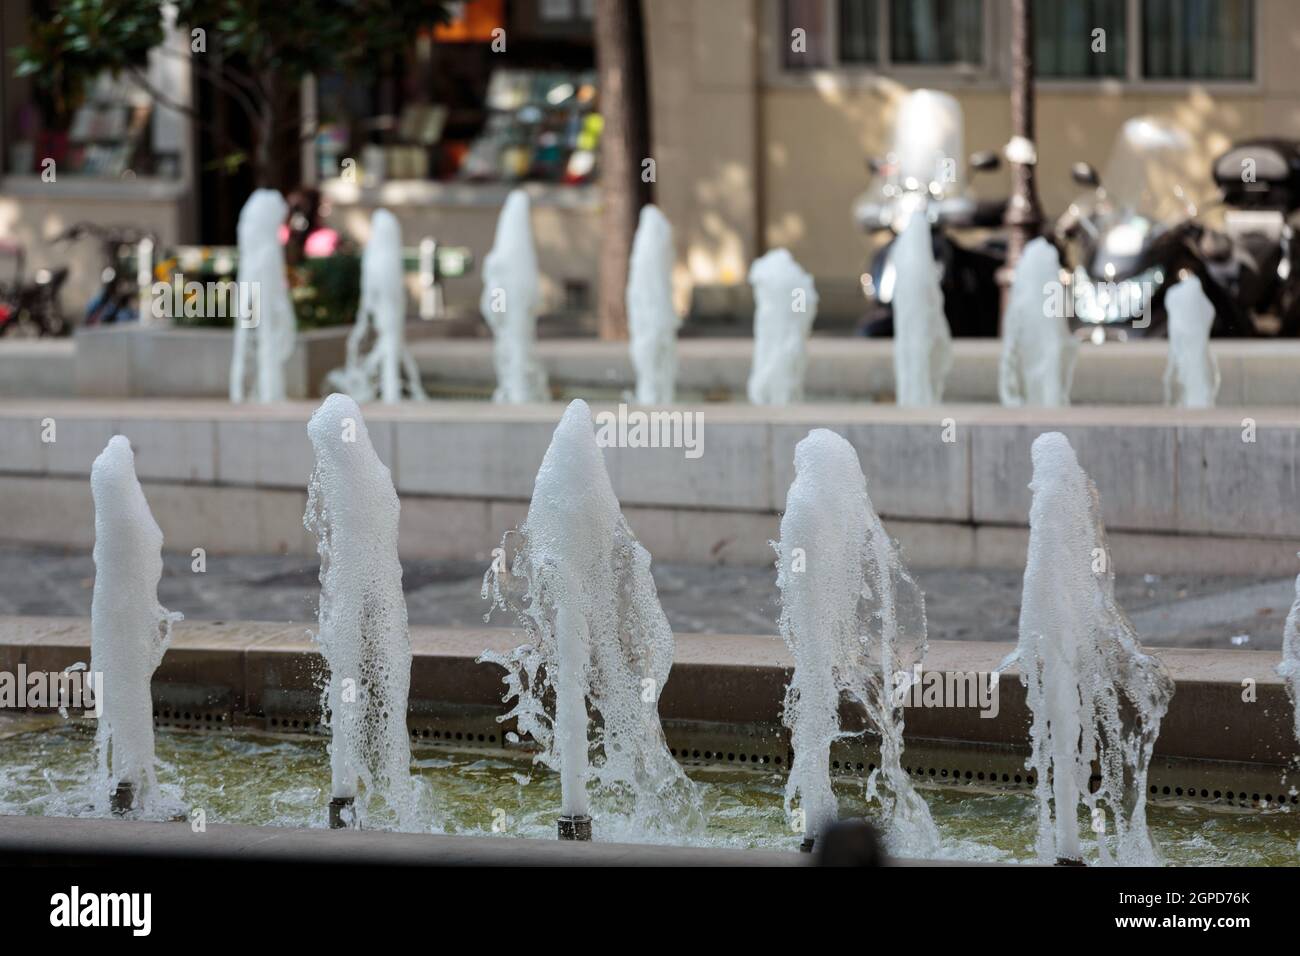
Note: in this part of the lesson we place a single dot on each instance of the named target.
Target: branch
(244, 81)
(167, 102)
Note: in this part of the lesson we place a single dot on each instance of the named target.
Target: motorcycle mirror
(985, 161)
(1085, 175)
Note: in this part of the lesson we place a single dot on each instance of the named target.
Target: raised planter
(167, 362)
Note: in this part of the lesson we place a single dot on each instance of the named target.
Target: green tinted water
(265, 780)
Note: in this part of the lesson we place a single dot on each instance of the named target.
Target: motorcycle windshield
(927, 148)
(1154, 173)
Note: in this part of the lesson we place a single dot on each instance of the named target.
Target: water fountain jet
(1038, 351)
(1289, 668)
(1192, 374)
(263, 301)
(785, 307)
(854, 621)
(353, 510)
(130, 630)
(579, 583)
(512, 296)
(652, 321)
(1096, 697)
(383, 306)
(922, 339)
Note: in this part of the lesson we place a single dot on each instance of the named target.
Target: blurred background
(438, 111)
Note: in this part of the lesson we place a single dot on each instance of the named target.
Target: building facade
(763, 114)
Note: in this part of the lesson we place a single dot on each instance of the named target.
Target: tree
(625, 145)
(254, 51)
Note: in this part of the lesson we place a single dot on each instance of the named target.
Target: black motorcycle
(1139, 230)
(968, 271)
(920, 176)
(1259, 180)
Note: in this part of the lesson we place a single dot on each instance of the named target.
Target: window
(936, 32)
(807, 35)
(826, 33)
(859, 30)
(1128, 40)
(1080, 40)
(1198, 39)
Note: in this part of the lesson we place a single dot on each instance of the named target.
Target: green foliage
(83, 39)
(284, 38)
(329, 292)
(325, 292)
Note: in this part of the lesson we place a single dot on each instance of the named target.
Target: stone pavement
(1173, 610)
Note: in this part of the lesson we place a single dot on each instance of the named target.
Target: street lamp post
(1024, 217)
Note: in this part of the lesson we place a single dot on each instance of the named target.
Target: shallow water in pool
(264, 780)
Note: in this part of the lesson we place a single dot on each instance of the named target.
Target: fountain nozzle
(123, 798)
(338, 807)
(577, 827)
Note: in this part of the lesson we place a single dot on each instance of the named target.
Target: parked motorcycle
(921, 175)
(1260, 183)
(1137, 231)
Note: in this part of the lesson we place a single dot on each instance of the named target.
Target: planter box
(168, 362)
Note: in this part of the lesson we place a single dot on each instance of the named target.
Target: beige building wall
(750, 157)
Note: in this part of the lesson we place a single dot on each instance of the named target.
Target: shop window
(114, 131)
(1198, 39)
(1082, 39)
(463, 107)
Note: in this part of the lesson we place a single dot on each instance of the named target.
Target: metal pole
(1023, 217)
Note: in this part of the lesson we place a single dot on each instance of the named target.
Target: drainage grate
(766, 747)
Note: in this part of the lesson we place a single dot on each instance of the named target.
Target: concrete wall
(1180, 491)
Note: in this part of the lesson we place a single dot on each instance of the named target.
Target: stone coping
(1254, 372)
(717, 679)
(1159, 471)
(27, 840)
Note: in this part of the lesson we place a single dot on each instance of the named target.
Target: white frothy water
(353, 511)
(512, 297)
(785, 307)
(853, 618)
(651, 319)
(129, 629)
(922, 340)
(265, 309)
(1191, 373)
(1094, 693)
(580, 584)
(383, 309)
(1038, 351)
(1289, 668)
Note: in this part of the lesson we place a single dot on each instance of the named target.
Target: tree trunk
(265, 170)
(1024, 217)
(625, 145)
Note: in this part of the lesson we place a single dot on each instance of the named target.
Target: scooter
(920, 176)
(1259, 180)
(1136, 232)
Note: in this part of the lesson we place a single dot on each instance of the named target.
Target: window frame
(995, 73)
(986, 75)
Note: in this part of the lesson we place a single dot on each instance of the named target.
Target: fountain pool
(282, 780)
